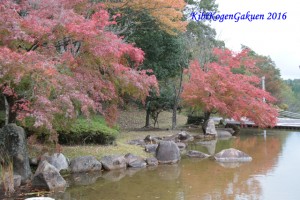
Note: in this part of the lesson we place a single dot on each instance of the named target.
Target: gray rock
(13, 145)
(211, 128)
(17, 181)
(181, 146)
(151, 148)
(197, 154)
(224, 134)
(167, 152)
(185, 137)
(85, 164)
(58, 160)
(48, 177)
(113, 162)
(152, 161)
(232, 155)
(135, 161)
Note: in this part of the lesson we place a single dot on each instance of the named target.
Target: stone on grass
(232, 155)
(48, 177)
(113, 162)
(85, 164)
(167, 152)
(196, 154)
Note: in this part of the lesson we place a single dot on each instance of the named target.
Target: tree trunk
(176, 100)
(147, 123)
(206, 118)
(6, 110)
(174, 117)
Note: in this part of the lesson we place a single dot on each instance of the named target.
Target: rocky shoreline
(51, 169)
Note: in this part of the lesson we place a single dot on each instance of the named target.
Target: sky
(279, 39)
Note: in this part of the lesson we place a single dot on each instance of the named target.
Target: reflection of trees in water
(208, 180)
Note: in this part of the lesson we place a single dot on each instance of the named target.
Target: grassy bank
(130, 119)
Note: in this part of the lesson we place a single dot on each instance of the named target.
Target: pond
(274, 173)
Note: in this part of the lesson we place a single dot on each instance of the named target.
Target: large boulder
(85, 164)
(135, 161)
(58, 160)
(113, 162)
(232, 155)
(13, 145)
(211, 128)
(167, 152)
(48, 177)
(196, 154)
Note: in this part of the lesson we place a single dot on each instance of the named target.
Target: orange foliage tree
(168, 14)
(216, 87)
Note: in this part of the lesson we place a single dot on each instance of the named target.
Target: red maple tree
(58, 56)
(216, 87)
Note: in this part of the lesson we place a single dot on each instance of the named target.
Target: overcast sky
(279, 39)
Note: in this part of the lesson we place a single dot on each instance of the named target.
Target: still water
(273, 174)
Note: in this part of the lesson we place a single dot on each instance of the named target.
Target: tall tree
(218, 89)
(59, 56)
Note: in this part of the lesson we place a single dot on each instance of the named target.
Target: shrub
(88, 131)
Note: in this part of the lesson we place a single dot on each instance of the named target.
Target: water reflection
(272, 174)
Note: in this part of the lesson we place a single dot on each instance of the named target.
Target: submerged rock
(232, 155)
(197, 154)
(167, 152)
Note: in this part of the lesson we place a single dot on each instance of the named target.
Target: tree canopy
(214, 87)
(58, 56)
